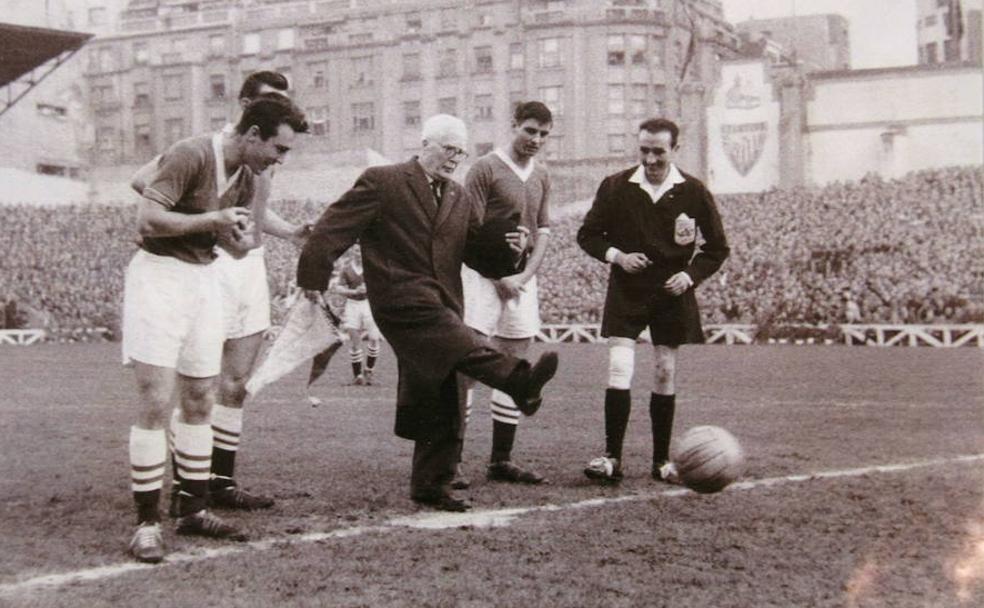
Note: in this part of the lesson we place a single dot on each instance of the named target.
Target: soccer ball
(707, 458)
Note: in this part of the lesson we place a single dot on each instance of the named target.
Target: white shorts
(172, 315)
(358, 317)
(485, 312)
(245, 293)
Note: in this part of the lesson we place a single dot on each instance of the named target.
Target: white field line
(443, 521)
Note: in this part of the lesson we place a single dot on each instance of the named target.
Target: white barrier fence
(939, 336)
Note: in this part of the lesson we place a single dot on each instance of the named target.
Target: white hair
(445, 129)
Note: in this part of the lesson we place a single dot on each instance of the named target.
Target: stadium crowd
(895, 251)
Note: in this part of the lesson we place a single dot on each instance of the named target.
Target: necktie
(437, 187)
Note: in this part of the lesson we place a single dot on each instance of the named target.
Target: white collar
(521, 173)
(222, 182)
(673, 177)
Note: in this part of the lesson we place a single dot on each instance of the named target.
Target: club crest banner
(743, 144)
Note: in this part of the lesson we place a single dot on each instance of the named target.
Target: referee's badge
(684, 229)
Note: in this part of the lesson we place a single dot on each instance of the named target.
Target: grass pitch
(908, 537)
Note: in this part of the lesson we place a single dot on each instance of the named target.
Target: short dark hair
(253, 83)
(268, 112)
(532, 109)
(655, 125)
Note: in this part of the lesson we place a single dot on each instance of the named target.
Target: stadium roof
(24, 49)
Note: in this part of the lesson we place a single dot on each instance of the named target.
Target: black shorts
(672, 320)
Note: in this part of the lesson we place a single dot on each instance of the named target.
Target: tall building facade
(368, 72)
(948, 31)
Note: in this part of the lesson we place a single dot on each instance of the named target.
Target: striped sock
(355, 357)
(148, 458)
(505, 418)
(193, 451)
(372, 353)
(227, 426)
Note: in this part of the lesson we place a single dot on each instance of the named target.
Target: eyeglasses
(454, 152)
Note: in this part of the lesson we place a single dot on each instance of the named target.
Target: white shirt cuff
(611, 254)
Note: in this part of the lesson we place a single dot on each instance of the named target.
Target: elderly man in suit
(416, 226)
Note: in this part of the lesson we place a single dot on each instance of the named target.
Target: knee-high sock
(355, 357)
(661, 409)
(148, 458)
(193, 451)
(227, 427)
(372, 353)
(618, 405)
(505, 418)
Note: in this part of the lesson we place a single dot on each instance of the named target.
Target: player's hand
(229, 217)
(300, 235)
(678, 283)
(633, 262)
(519, 240)
(508, 287)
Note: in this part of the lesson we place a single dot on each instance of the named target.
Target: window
(141, 94)
(47, 109)
(217, 123)
(411, 113)
(173, 130)
(106, 60)
(448, 19)
(616, 50)
(97, 15)
(549, 52)
(483, 60)
(362, 71)
(931, 56)
(657, 52)
(659, 95)
(363, 119)
(285, 39)
(413, 23)
(483, 107)
(448, 105)
(616, 99)
(411, 66)
(216, 45)
(637, 49)
(951, 49)
(217, 86)
(553, 150)
(930, 20)
(553, 98)
(105, 139)
(516, 57)
(318, 71)
(46, 169)
(173, 88)
(251, 44)
(447, 63)
(176, 53)
(616, 143)
(638, 103)
(103, 94)
(140, 54)
(318, 117)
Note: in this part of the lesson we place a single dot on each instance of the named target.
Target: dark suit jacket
(623, 216)
(412, 255)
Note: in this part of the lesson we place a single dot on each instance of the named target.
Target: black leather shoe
(443, 502)
(540, 374)
(505, 470)
(460, 481)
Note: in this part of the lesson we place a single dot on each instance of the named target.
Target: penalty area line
(443, 521)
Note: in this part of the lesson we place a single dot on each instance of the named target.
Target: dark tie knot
(437, 186)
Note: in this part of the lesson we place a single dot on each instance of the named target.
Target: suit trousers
(435, 458)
